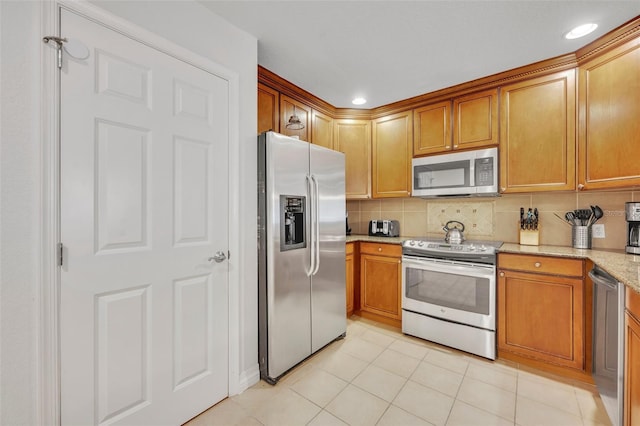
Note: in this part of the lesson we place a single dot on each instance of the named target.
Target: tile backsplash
(497, 218)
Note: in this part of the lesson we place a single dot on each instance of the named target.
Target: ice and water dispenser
(292, 219)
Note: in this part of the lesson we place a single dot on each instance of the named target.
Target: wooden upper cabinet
(475, 120)
(432, 129)
(609, 119)
(392, 143)
(537, 134)
(268, 109)
(303, 112)
(321, 129)
(353, 138)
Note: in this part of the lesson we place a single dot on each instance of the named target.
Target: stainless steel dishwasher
(608, 341)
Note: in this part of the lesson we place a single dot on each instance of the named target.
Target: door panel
(144, 314)
(122, 177)
(328, 319)
(288, 289)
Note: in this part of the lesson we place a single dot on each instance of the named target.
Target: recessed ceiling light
(359, 101)
(581, 31)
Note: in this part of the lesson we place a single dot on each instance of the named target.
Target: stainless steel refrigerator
(301, 251)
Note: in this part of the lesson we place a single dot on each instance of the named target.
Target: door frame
(48, 297)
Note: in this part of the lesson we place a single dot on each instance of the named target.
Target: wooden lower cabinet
(541, 311)
(350, 278)
(380, 282)
(632, 359)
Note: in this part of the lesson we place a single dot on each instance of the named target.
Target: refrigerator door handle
(316, 219)
(311, 234)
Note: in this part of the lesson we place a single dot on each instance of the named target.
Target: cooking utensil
(565, 220)
(597, 214)
(583, 215)
(454, 235)
(571, 218)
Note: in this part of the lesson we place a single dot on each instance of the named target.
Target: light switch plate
(598, 230)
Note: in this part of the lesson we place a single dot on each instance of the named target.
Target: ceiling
(392, 50)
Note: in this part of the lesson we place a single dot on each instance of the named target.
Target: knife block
(530, 237)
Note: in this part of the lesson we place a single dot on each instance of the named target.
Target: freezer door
(328, 293)
(288, 291)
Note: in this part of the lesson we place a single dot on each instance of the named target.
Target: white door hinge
(60, 254)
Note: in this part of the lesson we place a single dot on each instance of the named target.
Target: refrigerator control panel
(292, 220)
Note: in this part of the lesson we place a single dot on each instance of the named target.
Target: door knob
(218, 257)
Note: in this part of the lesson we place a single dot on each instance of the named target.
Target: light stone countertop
(370, 239)
(624, 267)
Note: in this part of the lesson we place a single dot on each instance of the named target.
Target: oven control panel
(428, 246)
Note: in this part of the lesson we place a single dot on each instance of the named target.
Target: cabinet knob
(379, 248)
(580, 186)
(502, 188)
(537, 264)
(502, 274)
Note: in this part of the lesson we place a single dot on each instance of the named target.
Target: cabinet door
(268, 109)
(321, 129)
(609, 124)
(632, 360)
(392, 152)
(541, 317)
(349, 281)
(353, 138)
(537, 134)
(290, 106)
(432, 129)
(380, 279)
(475, 120)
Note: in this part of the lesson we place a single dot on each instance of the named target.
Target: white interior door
(144, 194)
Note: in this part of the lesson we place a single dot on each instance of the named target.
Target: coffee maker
(632, 214)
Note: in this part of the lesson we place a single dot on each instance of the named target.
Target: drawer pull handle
(379, 248)
(537, 264)
(502, 274)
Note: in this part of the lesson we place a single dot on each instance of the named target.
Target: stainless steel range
(449, 293)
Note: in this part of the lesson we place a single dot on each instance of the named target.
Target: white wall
(183, 22)
(19, 207)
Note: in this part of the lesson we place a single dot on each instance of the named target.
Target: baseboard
(248, 378)
(379, 318)
(541, 366)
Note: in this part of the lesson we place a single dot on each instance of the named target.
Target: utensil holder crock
(581, 237)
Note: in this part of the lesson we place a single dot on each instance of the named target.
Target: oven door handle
(447, 266)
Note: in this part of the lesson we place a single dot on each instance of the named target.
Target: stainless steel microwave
(466, 173)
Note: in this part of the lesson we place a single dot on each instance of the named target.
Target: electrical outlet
(598, 230)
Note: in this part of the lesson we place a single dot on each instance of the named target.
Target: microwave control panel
(484, 170)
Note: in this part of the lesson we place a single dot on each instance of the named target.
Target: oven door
(461, 292)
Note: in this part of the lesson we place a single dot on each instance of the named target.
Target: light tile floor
(378, 376)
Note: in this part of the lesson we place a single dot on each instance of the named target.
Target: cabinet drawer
(633, 303)
(349, 248)
(381, 249)
(542, 264)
